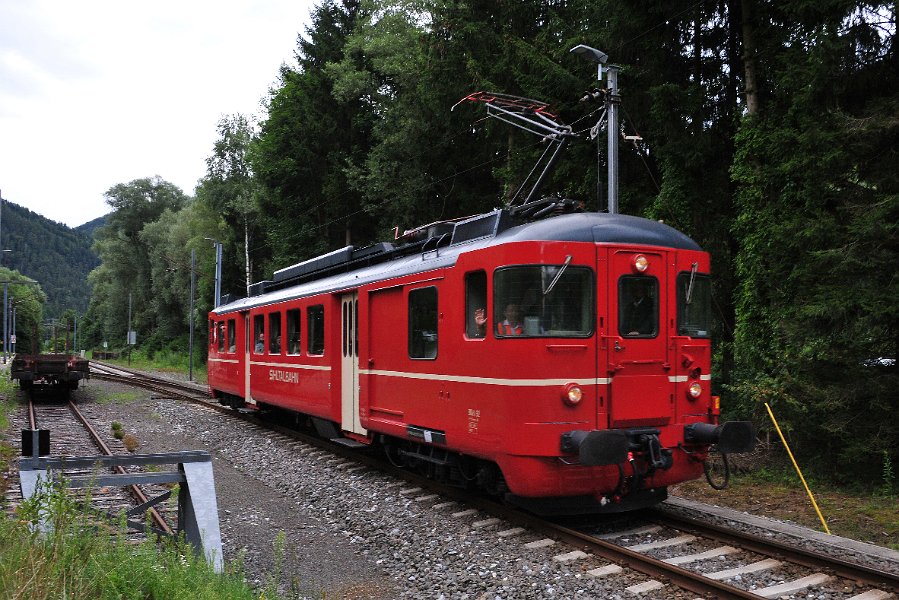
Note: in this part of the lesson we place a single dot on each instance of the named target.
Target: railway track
(164, 387)
(661, 549)
(72, 433)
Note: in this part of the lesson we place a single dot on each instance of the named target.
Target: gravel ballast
(350, 533)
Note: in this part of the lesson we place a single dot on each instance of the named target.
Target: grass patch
(7, 405)
(165, 361)
(74, 562)
(869, 516)
(118, 398)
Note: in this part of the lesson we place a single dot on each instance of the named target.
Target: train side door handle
(618, 346)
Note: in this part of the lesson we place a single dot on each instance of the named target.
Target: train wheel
(490, 479)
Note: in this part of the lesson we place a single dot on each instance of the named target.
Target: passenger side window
(232, 335)
(423, 323)
(221, 335)
(476, 304)
(638, 306)
(274, 333)
(259, 334)
(293, 331)
(316, 327)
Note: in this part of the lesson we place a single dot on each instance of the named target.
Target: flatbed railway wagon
(55, 372)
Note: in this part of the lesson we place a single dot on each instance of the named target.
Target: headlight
(694, 390)
(572, 394)
(641, 263)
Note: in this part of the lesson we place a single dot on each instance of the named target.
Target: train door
(641, 394)
(349, 364)
(247, 346)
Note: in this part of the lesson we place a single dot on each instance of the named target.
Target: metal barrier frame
(197, 502)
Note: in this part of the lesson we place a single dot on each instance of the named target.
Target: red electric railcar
(563, 362)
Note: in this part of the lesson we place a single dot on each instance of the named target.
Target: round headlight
(641, 263)
(572, 394)
(694, 390)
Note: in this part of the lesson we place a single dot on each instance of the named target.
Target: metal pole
(128, 342)
(74, 335)
(613, 101)
(218, 274)
(190, 316)
(5, 314)
(13, 345)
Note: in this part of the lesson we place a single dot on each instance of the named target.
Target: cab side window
(232, 335)
(476, 304)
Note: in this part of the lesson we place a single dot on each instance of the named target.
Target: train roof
(350, 267)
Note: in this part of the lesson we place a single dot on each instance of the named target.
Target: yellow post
(807, 490)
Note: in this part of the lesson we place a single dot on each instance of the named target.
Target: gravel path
(348, 533)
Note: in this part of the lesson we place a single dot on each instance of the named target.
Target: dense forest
(57, 257)
(767, 131)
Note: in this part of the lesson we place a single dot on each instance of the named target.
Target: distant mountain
(90, 227)
(58, 257)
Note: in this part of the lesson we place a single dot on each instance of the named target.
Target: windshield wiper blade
(558, 275)
(692, 280)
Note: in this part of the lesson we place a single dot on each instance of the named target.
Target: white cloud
(97, 93)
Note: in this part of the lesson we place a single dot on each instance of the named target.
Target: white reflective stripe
(291, 366)
(684, 378)
(224, 360)
(487, 380)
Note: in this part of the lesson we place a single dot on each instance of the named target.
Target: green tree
(126, 269)
(230, 188)
(818, 209)
(28, 298)
(306, 144)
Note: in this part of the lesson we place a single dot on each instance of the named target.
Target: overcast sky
(96, 93)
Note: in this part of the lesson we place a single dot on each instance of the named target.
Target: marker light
(572, 394)
(641, 263)
(694, 390)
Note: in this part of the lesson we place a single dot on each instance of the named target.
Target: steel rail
(793, 554)
(133, 489)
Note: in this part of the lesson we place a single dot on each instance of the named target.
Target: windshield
(543, 301)
(694, 305)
